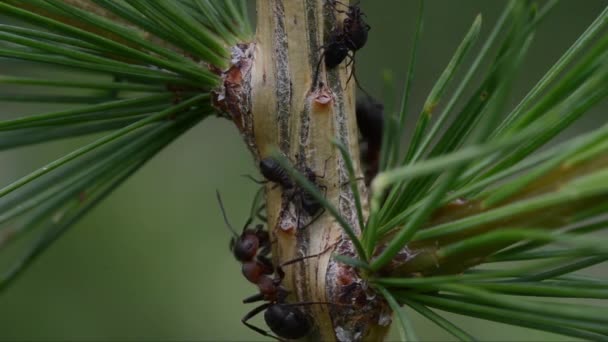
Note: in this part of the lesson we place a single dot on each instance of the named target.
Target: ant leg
(324, 167)
(313, 303)
(341, 3)
(299, 211)
(359, 84)
(251, 314)
(255, 209)
(255, 298)
(262, 218)
(314, 218)
(247, 223)
(352, 69)
(259, 215)
(290, 199)
(261, 182)
(334, 2)
(293, 261)
(314, 82)
(322, 209)
(356, 180)
(353, 74)
(351, 59)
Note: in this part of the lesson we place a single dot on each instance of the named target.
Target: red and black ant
(286, 320)
(251, 248)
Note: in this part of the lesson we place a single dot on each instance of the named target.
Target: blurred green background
(151, 263)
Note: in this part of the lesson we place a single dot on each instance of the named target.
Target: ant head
(246, 246)
(287, 321)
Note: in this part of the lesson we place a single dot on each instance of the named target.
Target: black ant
(336, 50)
(354, 28)
(274, 172)
(284, 319)
(251, 248)
(350, 38)
(370, 120)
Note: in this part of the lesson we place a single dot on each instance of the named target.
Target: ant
(354, 28)
(251, 248)
(284, 319)
(350, 38)
(370, 120)
(274, 172)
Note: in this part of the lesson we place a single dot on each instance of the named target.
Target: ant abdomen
(335, 51)
(287, 321)
(274, 172)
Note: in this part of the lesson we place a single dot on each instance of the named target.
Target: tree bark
(270, 95)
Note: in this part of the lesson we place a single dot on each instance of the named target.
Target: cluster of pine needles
(484, 214)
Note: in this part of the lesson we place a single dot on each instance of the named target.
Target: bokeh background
(151, 263)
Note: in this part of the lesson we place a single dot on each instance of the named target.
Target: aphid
(370, 120)
(251, 248)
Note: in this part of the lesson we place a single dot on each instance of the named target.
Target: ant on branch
(274, 172)
(284, 319)
(251, 248)
(342, 41)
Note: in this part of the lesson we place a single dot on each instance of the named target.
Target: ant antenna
(255, 208)
(219, 199)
